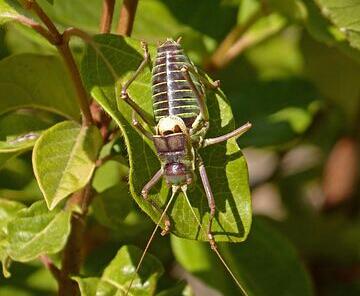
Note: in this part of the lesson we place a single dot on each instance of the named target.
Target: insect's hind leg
(156, 178)
(211, 201)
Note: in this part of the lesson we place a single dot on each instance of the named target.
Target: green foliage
(115, 280)
(64, 159)
(293, 74)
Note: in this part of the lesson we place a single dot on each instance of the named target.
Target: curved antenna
(215, 249)
(150, 240)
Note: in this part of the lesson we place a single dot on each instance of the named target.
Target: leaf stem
(127, 17)
(63, 47)
(47, 262)
(107, 16)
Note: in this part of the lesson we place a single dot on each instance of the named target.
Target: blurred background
(291, 68)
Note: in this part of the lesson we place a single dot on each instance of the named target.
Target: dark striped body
(172, 94)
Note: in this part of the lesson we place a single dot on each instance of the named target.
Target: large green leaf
(227, 168)
(8, 210)
(64, 159)
(36, 230)
(117, 276)
(266, 264)
(36, 81)
(345, 14)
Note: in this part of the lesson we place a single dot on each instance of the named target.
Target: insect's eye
(177, 129)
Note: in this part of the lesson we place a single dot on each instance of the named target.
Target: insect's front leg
(139, 126)
(154, 180)
(211, 200)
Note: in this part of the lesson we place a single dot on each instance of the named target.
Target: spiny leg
(199, 96)
(209, 84)
(211, 201)
(234, 134)
(145, 193)
(139, 126)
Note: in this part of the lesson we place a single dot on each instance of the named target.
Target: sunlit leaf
(117, 276)
(231, 191)
(36, 231)
(64, 159)
(345, 14)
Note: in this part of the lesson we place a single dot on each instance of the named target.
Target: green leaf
(87, 286)
(30, 80)
(36, 231)
(19, 132)
(64, 159)
(7, 12)
(261, 264)
(112, 206)
(8, 210)
(117, 276)
(231, 192)
(181, 289)
(345, 14)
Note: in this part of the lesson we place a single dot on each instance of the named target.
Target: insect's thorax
(176, 157)
(172, 94)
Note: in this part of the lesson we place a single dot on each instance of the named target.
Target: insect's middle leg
(211, 201)
(156, 178)
(234, 134)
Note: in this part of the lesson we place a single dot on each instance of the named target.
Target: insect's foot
(216, 84)
(212, 242)
(166, 230)
(124, 94)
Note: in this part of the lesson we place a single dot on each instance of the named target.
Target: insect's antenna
(215, 249)
(150, 239)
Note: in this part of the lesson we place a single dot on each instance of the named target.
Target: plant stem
(107, 16)
(47, 262)
(216, 60)
(35, 26)
(32, 5)
(82, 96)
(73, 255)
(63, 48)
(127, 17)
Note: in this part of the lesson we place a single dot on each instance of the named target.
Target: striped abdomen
(172, 94)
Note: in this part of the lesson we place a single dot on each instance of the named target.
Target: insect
(180, 122)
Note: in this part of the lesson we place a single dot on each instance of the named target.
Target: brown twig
(216, 60)
(63, 47)
(73, 255)
(35, 26)
(127, 17)
(107, 16)
(47, 262)
(32, 5)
